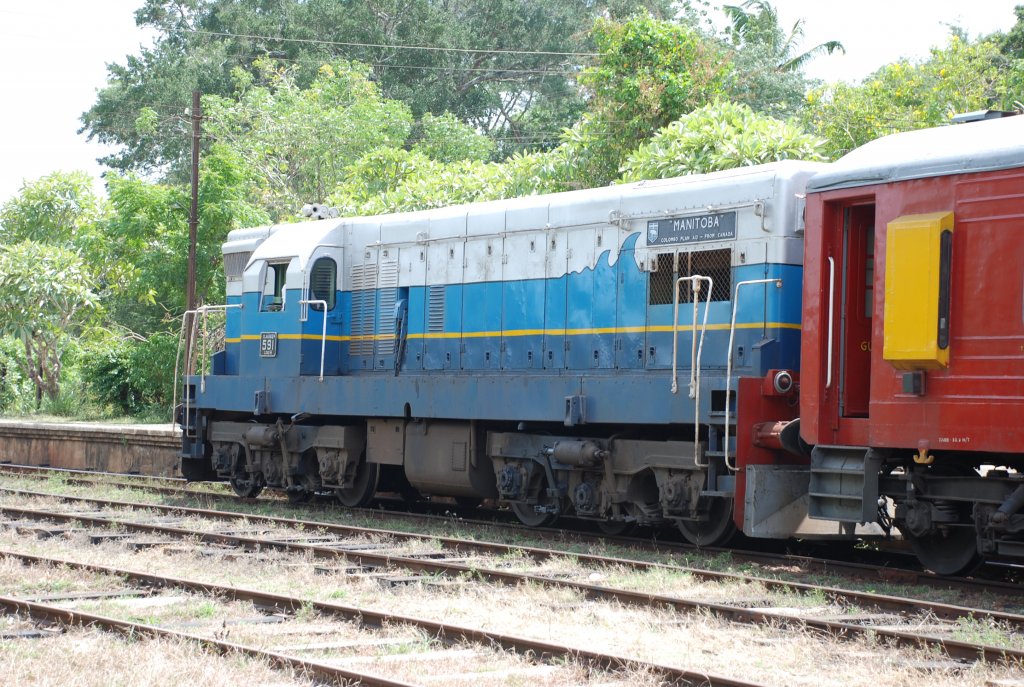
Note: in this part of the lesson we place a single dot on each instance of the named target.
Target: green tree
(297, 141)
(147, 235)
(445, 139)
(131, 375)
(61, 208)
(490, 62)
(46, 294)
(756, 22)
(649, 73)
(962, 76)
(769, 60)
(720, 136)
(1011, 44)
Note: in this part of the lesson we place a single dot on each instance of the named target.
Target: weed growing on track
(983, 632)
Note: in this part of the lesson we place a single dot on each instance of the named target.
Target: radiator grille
(234, 265)
(716, 264)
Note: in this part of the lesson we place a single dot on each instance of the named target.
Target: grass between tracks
(700, 641)
(456, 526)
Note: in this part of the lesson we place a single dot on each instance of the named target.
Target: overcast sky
(54, 55)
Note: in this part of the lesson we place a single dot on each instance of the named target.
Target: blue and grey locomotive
(573, 354)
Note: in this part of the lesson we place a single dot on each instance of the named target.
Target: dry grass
(697, 641)
(89, 658)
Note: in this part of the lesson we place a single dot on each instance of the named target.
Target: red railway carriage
(912, 360)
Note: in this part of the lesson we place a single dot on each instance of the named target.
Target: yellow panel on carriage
(918, 249)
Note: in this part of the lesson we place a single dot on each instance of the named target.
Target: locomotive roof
(954, 149)
(570, 208)
(294, 241)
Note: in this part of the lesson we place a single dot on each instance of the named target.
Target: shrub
(132, 376)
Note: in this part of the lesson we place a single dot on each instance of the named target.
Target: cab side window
(272, 298)
(323, 283)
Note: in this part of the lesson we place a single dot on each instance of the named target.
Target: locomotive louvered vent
(323, 281)
(435, 309)
(386, 314)
(234, 265)
(716, 264)
(364, 301)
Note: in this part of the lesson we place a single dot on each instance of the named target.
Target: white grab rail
(323, 335)
(695, 355)
(728, 364)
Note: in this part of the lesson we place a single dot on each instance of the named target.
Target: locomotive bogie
(542, 476)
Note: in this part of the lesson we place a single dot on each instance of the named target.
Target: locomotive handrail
(201, 310)
(728, 359)
(831, 319)
(323, 335)
(695, 281)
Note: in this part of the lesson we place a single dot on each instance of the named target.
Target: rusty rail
(953, 648)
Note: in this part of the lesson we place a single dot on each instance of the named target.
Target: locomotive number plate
(268, 345)
(713, 227)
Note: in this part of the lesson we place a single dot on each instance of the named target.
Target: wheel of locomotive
(716, 530)
(950, 550)
(545, 511)
(246, 487)
(363, 487)
(528, 514)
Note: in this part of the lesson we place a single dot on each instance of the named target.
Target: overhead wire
(396, 46)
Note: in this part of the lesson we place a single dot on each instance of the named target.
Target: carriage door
(856, 300)
(320, 342)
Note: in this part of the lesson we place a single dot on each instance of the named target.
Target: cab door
(321, 322)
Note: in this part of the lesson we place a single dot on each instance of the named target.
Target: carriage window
(716, 264)
(323, 282)
(272, 298)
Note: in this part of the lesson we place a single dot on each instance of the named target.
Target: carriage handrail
(728, 364)
(831, 319)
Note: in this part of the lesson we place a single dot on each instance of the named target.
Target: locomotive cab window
(716, 264)
(273, 294)
(323, 283)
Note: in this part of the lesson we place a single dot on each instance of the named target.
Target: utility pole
(193, 215)
(193, 229)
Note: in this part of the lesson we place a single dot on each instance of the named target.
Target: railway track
(71, 618)
(446, 558)
(448, 633)
(905, 572)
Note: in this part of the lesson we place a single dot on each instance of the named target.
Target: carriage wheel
(716, 530)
